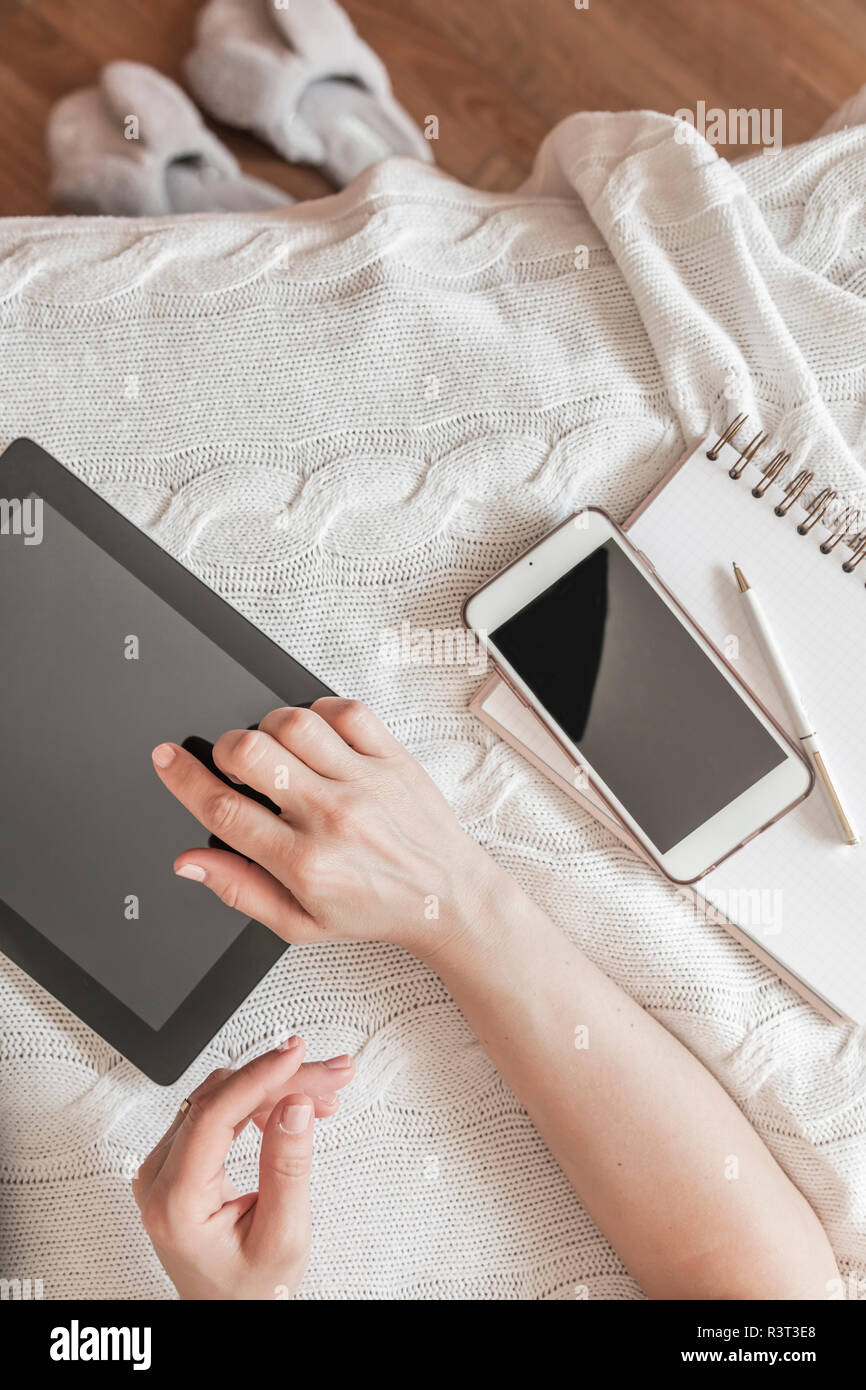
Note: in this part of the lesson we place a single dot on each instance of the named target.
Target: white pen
(802, 723)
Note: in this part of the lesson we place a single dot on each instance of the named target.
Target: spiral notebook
(795, 895)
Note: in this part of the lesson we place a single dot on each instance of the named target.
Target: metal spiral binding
(747, 455)
(727, 436)
(771, 472)
(844, 529)
(848, 524)
(793, 491)
(816, 511)
(857, 553)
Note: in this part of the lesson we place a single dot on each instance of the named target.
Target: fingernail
(288, 1043)
(163, 755)
(339, 1063)
(330, 1099)
(295, 1116)
(191, 871)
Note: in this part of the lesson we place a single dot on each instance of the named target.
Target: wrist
(486, 907)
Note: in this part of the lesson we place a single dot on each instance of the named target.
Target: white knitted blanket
(344, 417)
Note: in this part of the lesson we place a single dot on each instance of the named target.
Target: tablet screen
(97, 670)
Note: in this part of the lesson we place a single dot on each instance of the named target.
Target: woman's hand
(211, 1241)
(363, 846)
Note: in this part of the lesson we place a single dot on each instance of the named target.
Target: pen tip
(741, 579)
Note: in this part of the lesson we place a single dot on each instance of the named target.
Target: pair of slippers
(294, 72)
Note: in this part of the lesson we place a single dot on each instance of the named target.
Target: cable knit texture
(345, 416)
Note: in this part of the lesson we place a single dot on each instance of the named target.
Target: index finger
(194, 1167)
(150, 1166)
(235, 819)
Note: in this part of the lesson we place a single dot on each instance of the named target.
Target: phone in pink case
(703, 775)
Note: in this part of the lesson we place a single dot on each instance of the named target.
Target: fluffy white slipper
(297, 74)
(174, 165)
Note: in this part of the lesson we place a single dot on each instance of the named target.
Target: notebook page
(797, 890)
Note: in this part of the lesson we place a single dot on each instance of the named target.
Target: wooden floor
(497, 73)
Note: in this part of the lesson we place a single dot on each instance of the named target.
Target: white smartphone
(668, 736)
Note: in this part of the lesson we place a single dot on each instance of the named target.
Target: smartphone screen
(648, 710)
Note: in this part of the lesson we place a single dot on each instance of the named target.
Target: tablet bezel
(162, 1054)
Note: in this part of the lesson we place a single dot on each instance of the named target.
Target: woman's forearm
(658, 1153)
(359, 846)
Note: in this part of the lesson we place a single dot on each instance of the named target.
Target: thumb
(281, 1222)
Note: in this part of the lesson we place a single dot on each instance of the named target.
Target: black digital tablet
(109, 647)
